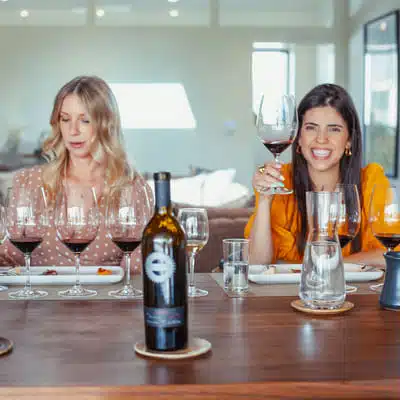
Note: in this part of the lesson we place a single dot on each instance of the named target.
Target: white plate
(65, 276)
(284, 273)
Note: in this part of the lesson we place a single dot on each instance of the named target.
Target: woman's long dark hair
(350, 166)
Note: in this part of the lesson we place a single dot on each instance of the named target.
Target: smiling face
(324, 137)
(76, 127)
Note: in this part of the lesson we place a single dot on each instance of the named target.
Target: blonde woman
(85, 149)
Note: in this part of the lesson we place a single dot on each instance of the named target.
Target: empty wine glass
(277, 129)
(126, 219)
(384, 218)
(77, 223)
(349, 218)
(194, 222)
(27, 221)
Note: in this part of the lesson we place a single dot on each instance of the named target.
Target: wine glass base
(377, 288)
(26, 294)
(2, 288)
(196, 292)
(77, 291)
(351, 289)
(127, 292)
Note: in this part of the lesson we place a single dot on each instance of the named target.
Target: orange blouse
(285, 217)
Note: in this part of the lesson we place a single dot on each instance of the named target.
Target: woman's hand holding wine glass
(384, 218)
(77, 221)
(277, 129)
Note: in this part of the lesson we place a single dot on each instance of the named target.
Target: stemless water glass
(27, 222)
(77, 223)
(194, 222)
(384, 218)
(128, 212)
(277, 129)
(349, 218)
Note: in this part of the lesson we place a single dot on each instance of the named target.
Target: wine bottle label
(159, 267)
(164, 317)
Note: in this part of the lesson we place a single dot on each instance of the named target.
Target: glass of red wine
(128, 212)
(384, 218)
(277, 129)
(3, 231)
(349, 220)
(27, 222)
(77, 220)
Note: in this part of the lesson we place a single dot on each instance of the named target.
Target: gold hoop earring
(348, 152)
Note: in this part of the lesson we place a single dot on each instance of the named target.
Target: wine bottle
(164, 275)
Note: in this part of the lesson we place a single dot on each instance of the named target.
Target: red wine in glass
(76, 245)
(26, 245)
(344, 240)
(277, 147)
(126, 244)
(389, 240)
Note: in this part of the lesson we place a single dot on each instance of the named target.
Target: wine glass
(77, 223)
(384, 218)
(277, 129)
(3, 231)
(349, 220)
(125, 222)
(194, 222)
(27, 222)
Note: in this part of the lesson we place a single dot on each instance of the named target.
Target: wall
(362, 12)
(213, 65)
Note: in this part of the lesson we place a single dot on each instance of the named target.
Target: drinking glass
(236, 264)
(277, 129)
(194, 222)
(384, 218)
(125, 222)
(349, 218)
(27, 222)
(77, 223)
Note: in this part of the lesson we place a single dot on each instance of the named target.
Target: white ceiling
(270, 13)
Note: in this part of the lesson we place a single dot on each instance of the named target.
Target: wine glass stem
(277, 159)
(128, 269)
(28, 285)
(77, 269)
(192, 260)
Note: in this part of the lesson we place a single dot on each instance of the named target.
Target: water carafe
(322, 283)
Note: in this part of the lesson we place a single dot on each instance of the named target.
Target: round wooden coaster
(195, 348)
(300, 306)
(5, 346)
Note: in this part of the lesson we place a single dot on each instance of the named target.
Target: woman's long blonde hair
(107, 148)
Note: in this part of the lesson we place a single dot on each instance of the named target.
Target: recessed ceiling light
(174, 13)
(4, 1)
(100, 12)
(173, 1)
(24, 13)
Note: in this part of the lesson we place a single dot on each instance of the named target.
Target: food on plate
(50, 272)
(271, 269)
(104, 271)
(296, 270)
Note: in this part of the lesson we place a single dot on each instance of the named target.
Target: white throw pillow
(215, 185)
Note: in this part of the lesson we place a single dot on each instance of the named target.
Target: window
(153, 106)
(270, 72)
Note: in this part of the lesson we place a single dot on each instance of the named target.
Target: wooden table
(261, 347)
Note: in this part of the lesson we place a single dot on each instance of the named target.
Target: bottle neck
(163, 196)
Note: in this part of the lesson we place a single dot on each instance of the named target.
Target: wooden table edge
(292, 390)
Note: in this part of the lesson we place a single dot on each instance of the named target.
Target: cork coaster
(195, 348)
(5, 346)
(300, 306)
